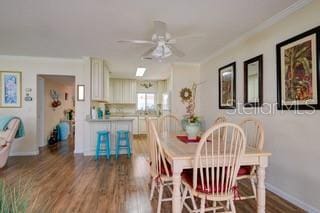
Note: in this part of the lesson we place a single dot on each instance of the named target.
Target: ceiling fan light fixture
(140, 71)
(162, 51)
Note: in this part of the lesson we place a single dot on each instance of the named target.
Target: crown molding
(264, 25)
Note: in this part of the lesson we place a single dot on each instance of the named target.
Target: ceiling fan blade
(136, 41)
(160, 28)
(147, 53)
(191, 36)
(175, 51)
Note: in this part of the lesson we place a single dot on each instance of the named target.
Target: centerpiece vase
(192, 130)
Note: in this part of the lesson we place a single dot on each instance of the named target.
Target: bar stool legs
(123, 135)
(103, 137)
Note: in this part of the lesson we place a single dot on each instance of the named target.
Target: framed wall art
(10, 89)
(227, 86)
(253, 81)
(298, 72)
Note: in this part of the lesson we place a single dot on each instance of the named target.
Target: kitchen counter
(110, 119)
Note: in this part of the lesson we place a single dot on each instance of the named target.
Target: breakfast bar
(111, 125)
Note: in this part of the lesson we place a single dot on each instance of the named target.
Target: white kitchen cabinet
(106, 82)
(135, 125)
(133, 91)
(111, 91)
(129, 91)
(142, 125)
(123, 91)
(99, 80)
(117, 91)
(126, 95)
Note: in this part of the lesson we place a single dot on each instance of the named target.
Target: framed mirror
(253, 82)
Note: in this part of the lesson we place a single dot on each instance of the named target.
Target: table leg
(176, 196)
(261, 189)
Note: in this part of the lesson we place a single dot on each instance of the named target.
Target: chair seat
(101, 132)
(244, 170)
(187, 178)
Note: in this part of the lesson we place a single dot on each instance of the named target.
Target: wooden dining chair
(254, 132)
(220, 119)
(216, 164)
(160, 169)
(169, 124)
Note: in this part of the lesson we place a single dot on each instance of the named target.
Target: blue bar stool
(123, 135)
(103, 137)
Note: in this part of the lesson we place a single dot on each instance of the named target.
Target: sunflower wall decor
(186, 94)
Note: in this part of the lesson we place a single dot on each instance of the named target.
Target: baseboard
(32, 153)
(92, 153)
(77, 152)
(292, 199)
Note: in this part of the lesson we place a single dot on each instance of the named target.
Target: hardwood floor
(64, 182)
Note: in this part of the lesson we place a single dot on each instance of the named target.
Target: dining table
(180, 156)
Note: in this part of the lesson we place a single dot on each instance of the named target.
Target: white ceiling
(76, 28)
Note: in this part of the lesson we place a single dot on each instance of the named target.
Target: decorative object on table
(28, 94)
(298, 64)
(146, 85)
(107, 111)
(10, 89)
(185, 139)
(190, 123)
(99, 113)
(253, 82)
(93, 113)
(55, 98)
(80, 92)
(227, 86)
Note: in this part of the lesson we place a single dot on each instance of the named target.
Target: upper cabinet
(123, 91)
(129, 88)
(99, 80)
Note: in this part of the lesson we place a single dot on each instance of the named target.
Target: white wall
(293, 139)
(183, 75)
(30, 68)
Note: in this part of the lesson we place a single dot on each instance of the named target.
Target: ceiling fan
(162, 42)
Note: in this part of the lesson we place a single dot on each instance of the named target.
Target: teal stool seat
(123, 142)
(103, 137)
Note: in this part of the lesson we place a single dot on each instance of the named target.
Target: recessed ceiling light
(140, 71)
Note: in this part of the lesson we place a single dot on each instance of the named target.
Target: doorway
(56, 112)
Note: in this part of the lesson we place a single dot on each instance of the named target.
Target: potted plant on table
(190, 123)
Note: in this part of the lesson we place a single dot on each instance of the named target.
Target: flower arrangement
(188, 97)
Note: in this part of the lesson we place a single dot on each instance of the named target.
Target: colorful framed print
(298, 72)
(227, 86)
(10, 89)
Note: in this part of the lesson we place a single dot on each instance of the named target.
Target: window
(146, 101)
(165, 101)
